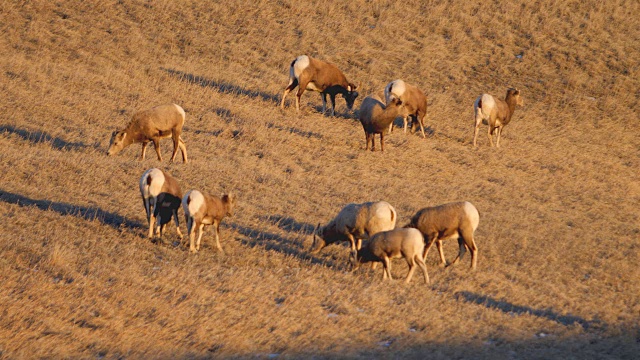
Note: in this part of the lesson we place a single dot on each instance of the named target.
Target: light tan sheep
(152, 125)
(406, 243)
(354, 223)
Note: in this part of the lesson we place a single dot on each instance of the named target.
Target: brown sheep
(313, 74)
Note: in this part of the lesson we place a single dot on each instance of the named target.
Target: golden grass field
(559, 237)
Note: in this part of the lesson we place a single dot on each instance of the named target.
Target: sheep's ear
(122, 135)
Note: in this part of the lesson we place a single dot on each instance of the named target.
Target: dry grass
(559, 236)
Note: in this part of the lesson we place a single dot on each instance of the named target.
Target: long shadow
(272, 241)
(38, 137)
(88, 213)
(221, 86)
(349, 114)
(292, 130)
(289, 224)
(508, 307)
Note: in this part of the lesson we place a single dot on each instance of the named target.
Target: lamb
(313, 74)
(354, 223)
(396, 243)
(449, 221)
(161, 196)
(415, 103)
(375, 118)
(203, 209)
(152, 125)
(496, 113)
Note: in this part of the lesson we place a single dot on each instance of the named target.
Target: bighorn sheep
(354, 223)
(161, 196)
(449, 221)
(396, 243)
(494, 112)
(152, 125)
(414, 100)
(203, 209)
(312, 74)
(375, 118)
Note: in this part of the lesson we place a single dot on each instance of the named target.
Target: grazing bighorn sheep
(449, 221)
(494, 112)
(312, 74)
(396, 243)
(375, 118)
(161, 196)
(152, 125)
(414, 100)
(354, 223)
(203, 209)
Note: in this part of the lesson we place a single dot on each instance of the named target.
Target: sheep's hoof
(193, 250)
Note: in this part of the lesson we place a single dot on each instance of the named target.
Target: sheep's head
(351, 95)
(230, 201)
(515, 95)
(117, 142)
(318, 241)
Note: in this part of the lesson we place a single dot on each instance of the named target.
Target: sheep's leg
(183, 149)
(217, 227)
(430, 239)
(302, 86)
(421, 123)
(388, 262)
(324, 102)
(292, 85)
(332, 97)
(152, 215)
(390, 128)
(443, 261)
(156, 145)
(175, 136)
(498, 133)
(147, 208)
(423, 266)
(412, 268)
(475, 132)
(191, 231)
(175, 219)
(144, 149)
(366, 139)
(489, 133)
(466, 236)
(382, 141)
(463, 250)
(406, 122)
(200, 231)
(386, 273)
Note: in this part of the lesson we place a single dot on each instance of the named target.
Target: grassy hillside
(559, 234)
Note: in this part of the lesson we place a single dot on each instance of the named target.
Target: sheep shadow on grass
(279, 243)
(509, 308)
(88, 213)
(221, 86)
(38, 137)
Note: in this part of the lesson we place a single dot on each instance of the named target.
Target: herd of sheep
(372, 221)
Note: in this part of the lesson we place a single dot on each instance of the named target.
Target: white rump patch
(157, 180)
(301, 63)
(394, 89)
(488, 103)
(180, 110)
(196, 202)
(472, 214)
